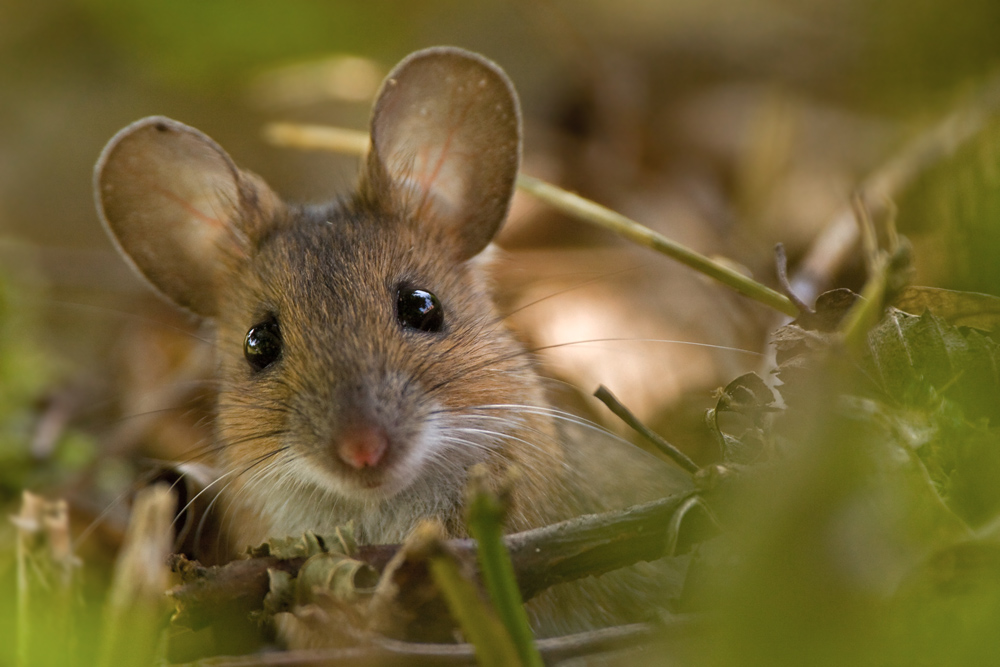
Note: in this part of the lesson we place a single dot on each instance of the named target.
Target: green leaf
(960, 309)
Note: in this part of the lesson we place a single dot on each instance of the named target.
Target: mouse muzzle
(363, 446)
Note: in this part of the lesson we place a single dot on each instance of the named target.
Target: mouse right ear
(178, 208)
(446, 146)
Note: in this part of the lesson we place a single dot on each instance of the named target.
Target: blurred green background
(728, 124)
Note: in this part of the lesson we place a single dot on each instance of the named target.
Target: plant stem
(493, 643)
(604, 395)
(588, 211)
(865, 313)
(485, 516)
(318, 137)
(136, 611)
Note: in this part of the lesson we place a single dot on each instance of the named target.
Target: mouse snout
(363, 446)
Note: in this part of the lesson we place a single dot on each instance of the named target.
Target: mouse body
(363, 367)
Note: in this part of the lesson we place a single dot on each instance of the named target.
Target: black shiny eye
(419, 309)
(262, 346)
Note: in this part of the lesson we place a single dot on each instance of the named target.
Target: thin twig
(312, 137)
(867, 310)
(588, 545)
(604, 395)
(781, 266)
(588, 211)
(318, 137)
(46, 580)
(384, 651)
(866, 227)
(136, 610)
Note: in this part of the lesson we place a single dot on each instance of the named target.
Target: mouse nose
(363, 447)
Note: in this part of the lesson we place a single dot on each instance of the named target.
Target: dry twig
(543, 557)
(409, 654)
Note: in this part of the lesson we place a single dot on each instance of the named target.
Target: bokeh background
(728, 125)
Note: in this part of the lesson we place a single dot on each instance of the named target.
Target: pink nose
(363, 447)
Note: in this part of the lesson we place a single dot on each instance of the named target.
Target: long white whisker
(726, 348)
(503, 436)
(271, 461)
(554, 413)
(199, 494)
(567, 290)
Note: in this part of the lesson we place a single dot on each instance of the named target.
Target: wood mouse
(363, 367)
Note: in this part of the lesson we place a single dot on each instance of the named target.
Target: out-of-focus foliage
(38, 590)
(194, 43)
(28, 459)
(864, 533)
(917, 49)
(957, 205)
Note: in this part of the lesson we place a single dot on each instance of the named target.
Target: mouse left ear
(446, 145)
(179, 209)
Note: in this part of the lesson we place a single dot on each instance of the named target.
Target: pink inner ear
(190, 208)
(434, 184)
(438, 173)
(204, 201)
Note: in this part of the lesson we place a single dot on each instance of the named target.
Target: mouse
(363, 367)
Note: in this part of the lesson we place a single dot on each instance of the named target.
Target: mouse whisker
(204, 490)
(557, 414)
(572, 288)
(271, 463)
(665, 341)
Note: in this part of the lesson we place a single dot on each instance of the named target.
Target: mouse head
(358, 346)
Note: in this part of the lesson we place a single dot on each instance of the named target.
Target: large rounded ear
(178, 208)
(446, 145)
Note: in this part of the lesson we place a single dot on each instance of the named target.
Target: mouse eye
(262, 346)
(419, 309)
